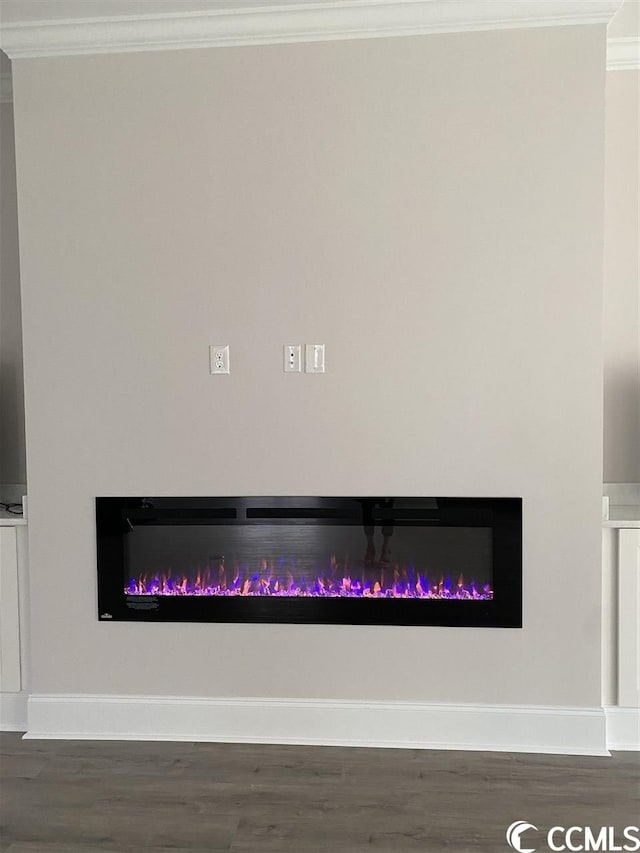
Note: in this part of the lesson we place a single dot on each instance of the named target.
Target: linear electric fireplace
(367, 560)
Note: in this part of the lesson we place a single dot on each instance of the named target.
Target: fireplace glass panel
(368, 559)
(325, 560)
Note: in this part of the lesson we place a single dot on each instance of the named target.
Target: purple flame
(334, 583)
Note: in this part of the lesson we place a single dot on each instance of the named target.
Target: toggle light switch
(314, 358)
(292, 358)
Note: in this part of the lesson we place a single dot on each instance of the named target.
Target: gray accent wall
(622, 280)
(430, 208)
(12, 445)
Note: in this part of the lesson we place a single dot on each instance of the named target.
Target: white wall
(622, 280)
(12, 449)
(626, 21)
(438, 195)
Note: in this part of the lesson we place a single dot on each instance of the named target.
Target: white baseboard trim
(623, 728)
(13, 712)
(569, 731)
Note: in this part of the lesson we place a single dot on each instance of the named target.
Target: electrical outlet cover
(219, 358)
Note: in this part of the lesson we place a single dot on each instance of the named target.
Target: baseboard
(623, 728)
(13, 712)
(570, 731)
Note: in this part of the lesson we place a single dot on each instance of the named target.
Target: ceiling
(23, 11)
(625, 23)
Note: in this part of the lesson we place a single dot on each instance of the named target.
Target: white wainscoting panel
(629, 619)
(623, 728)
(10, 680)
(13, 712)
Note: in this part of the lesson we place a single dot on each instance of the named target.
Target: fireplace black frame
(115, 515)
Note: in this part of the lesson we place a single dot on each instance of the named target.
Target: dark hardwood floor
(88, 796)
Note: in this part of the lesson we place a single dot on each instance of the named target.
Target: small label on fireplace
(142, 602)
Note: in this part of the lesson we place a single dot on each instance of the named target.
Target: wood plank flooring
(96, 796)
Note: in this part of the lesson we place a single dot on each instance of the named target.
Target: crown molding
(6, 87)
(295, 22)
(623, 54)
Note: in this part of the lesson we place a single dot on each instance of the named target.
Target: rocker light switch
(314, 358)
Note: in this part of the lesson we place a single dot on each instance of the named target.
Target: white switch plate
(219, 358)
(292, 358)
(314, 358)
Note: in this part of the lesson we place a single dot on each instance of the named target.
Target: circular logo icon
(514, 832)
